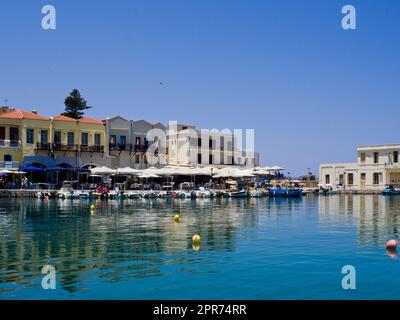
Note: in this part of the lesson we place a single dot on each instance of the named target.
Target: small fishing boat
(149, 194)
(237, 194)
(279, 192)
(67, 191)
(132, 194)
(203, 193)
(390, 191)
(256, 193)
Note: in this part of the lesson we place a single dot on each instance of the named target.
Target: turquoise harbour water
(250, 249)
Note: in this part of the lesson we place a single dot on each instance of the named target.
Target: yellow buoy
(92, 206)
(196, 238)
(177, 218)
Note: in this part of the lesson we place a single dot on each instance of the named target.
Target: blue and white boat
(390, 191)
(279, 192)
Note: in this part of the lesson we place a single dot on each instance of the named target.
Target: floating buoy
(92, 206)
(177, 218)
(196, 246)
(196, 239)
(391, 244)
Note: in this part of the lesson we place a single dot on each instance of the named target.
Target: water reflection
(120, 240)
(375, 216)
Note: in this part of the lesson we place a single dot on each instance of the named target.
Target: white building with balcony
(190, 146)
(377, 166)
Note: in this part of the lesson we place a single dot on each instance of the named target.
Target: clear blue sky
(311, 90)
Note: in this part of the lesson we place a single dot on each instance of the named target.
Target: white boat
(256, 193)
(132, 194)
(149, 194)
(237, 194)
(67, 191)
(203, 193)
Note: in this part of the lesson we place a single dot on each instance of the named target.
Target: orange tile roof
(90, 120)
(21, 114)
(64, 118)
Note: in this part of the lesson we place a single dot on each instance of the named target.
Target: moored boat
(279, 192)
(390, 191)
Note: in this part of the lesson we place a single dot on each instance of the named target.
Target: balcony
(87, 148)
(43, 146)
(64, 147)
(120, 147)
(10, 143)
(9, 165)
(140, 148)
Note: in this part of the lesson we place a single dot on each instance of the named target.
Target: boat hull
(285, 192)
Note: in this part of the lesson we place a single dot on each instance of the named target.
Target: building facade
(27, 138)
(189, 146)
(134, 143)
(377, 166)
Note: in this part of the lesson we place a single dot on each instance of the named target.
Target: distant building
(130, 141)
(190, 146)
(376, 167)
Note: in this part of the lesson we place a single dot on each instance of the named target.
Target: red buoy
(391, 244)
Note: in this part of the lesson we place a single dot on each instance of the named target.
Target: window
(375, 178)
(210, 159)
(7, 157)
(210, 143)
(327, 179)
(57, 137)
(222, 142)
(113, 140)
(395, 156)
(122, 141)
(199, 158)
(137, 141)
(14, 134)
(341, 179)
(85, 139)
(44, 136)
(29, 136)
(362, 157)
(376, 157)
(2, 133)
(199, 142)
(97, 139)
(137, 159)
(70, 139)
(350, 179)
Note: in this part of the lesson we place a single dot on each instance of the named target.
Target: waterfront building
(29, 139)
(190, 146)
(131, 142)
(19, 130)
(376, 167)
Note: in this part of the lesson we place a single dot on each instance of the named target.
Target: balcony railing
(42, 146)
(140, 148)
(64, 147)
(10, 143)
(120, 147)
(10, 164)
(87, 148)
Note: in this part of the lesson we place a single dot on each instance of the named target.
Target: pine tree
(74, 105)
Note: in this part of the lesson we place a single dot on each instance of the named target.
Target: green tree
(74, 105)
